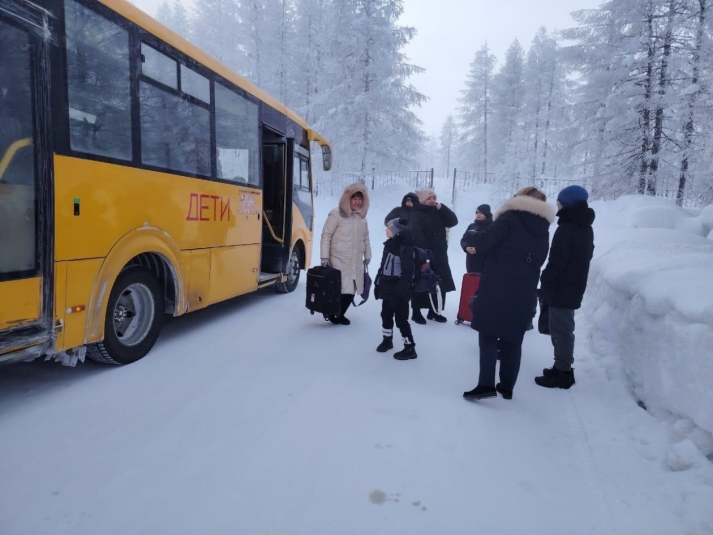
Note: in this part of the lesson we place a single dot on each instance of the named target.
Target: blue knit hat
(572, 195)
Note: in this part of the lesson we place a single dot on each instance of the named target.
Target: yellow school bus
(138, 177)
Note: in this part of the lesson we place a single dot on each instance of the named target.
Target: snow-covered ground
(255, 417)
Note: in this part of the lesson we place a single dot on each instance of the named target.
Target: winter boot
(386, 344)
(481, 392)
(506, 394)
(548, 372)
(436, 317)
(555, 379)
(342, 320)
(408, 352)
(417, 317)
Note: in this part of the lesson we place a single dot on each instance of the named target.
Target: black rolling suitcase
(324, 290)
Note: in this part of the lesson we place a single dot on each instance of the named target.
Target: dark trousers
(510, 356)
(401, 315)
(562, 334)
(421, 300)
(346, 301)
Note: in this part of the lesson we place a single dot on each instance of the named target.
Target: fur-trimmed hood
(344, 205)
(523, 203)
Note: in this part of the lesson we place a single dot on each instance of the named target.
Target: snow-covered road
(255, 417)
(301, 430)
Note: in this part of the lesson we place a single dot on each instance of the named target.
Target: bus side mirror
(326, 157)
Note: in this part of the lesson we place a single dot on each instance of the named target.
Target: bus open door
(26, 292)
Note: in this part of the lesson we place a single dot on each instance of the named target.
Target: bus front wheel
(134, 317)
(293, 275)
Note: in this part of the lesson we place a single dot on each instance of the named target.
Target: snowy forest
(620, 102)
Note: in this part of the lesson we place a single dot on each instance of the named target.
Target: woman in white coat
(345, 244)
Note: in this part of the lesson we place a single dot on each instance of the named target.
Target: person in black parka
(394, 284)
(483, 219)
(429, 223)
(405, 210)
(516, 246)
(564, 281)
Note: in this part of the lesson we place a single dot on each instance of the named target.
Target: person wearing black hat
(393, 285)
(405, 210)
(483, 219)
(564, 281)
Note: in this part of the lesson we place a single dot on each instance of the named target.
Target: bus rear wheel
(293, 275)
(134, 317)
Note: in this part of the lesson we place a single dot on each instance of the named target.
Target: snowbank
(650, 307)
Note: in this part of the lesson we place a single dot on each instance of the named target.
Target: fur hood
(523, 203)
(344, 207)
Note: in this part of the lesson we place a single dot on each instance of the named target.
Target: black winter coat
(564, 280)
(390, 288)
(515, 246)
(403, 211)
(428, 225)
(474, 262)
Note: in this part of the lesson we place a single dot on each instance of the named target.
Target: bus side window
(98, 84)
(237, 137)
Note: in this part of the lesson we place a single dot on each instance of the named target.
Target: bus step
(267, 277)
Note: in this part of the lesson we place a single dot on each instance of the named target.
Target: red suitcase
(471, 282)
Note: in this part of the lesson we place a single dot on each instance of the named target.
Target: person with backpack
(516, 246)
(345, 244)
(429, 224)
(483, 219)
(405, 210)
(564, 281)
(394, 283)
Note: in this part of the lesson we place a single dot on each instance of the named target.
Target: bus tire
(293, 275)
(134, 317)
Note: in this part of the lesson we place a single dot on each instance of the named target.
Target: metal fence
(333, 185)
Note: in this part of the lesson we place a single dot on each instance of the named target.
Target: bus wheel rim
(293, 271)
(134, 314)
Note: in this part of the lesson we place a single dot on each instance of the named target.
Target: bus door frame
(34, 339)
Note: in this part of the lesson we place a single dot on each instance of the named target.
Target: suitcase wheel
(458, 322)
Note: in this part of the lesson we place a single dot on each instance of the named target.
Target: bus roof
(148, 23)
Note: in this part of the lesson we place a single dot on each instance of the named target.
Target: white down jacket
(345, 240)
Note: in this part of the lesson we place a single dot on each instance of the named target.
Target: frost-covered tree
(475, 111)
(214, 25)
(368, 101)
(181, 23)
(164, 14)
(448, 144)
(508, 102)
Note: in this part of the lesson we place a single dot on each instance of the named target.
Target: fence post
(453, 195)
(372, 182)
(431, 186)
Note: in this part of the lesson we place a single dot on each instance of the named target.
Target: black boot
(548, 372)
(342, 320)
(407, 353)
(506, 394)
(555, 379)
(386, 344)
(417, 317)
(436, 317)
(481, 392)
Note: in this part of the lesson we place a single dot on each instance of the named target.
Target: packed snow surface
(255, 417)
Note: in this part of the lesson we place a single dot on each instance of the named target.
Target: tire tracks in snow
(586, 461)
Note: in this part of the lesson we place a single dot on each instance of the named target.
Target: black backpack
(425, 279)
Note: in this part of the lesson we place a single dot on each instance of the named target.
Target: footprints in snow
(379, 497)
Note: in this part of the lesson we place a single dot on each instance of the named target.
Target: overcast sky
(451, 31)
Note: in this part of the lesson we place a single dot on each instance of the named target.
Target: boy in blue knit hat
(564, 281)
